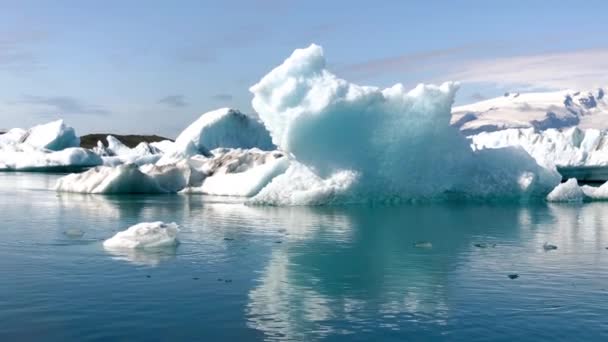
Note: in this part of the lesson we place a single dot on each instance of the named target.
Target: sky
(153, 67)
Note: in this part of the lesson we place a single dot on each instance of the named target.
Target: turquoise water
(306, 274)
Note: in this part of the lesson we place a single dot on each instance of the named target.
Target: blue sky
(155, 66)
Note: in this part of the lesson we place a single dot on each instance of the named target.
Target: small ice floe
(549, 247)
(423, 244)
(513, 276)
(485, 245)
(145, 235)
(74, 233)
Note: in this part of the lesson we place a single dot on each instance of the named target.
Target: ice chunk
(54, 136)
(246, 183)
(223, 127)
(109, 180)
(23, 157)
(567, 192)
(145, 235)
(596, 193)
(13, 136)
(300, 186)
(380, 144)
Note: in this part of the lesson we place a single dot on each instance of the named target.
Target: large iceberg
(398, 143)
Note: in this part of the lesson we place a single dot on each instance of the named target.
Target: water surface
(335, 274)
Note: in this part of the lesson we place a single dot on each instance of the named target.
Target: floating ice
(567, 192)
(47, 147)
(120, 179)
(366, 144)
(117, 153)
(53, 136)
(223, 127)
(145, 235)
(240, 172)
(23, 157)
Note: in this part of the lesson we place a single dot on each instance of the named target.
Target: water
(335, 274)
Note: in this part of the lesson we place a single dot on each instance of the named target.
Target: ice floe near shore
(145, 235)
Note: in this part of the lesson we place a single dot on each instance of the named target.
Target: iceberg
(117, 153)
(48, 147)
(224, 127)
(361, 144)
(129, 179)
(54, 136)
(145, 235)
(23, 157)
(241, 178)
(567, 192)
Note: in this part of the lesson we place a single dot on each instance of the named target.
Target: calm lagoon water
(336, 274)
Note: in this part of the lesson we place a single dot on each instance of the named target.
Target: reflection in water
(300, 273)
(143, 257)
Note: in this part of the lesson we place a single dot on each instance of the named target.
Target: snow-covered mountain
(542, 110)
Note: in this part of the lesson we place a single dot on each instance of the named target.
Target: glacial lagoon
(397, 273)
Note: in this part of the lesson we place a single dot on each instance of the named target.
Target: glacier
(538, 110)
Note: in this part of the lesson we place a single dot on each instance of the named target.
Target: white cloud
(583, 69)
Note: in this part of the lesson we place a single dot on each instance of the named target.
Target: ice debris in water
(567, 192)
(484, 245)
(423, 244)
(549, 247)
(145, 235)
(74, 233)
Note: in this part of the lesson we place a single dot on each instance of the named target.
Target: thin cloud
(583, 69)
(176, 101)
(16, 52)
(64, 105)
(406, 62)
(222, 97)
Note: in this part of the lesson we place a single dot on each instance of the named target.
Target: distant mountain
(540, 110)
(90, 140)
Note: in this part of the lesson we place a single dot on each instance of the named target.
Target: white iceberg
(568, 191)
(48, 147)
(399, 144)
(23, 157)
(145, 235)
(242, 180)
(118, 153)
(130, 178)
(225, 127)
(54, 136)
